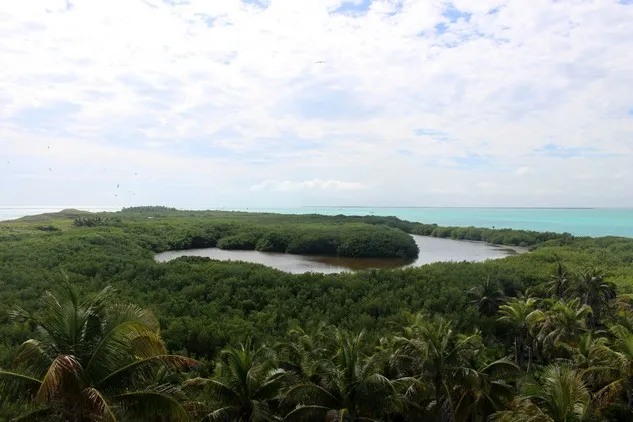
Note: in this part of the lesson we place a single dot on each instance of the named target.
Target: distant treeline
(509, 237)
(151, 208)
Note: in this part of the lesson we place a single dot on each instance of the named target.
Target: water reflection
(431, 250)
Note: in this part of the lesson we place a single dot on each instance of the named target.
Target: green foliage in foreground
(96, 359)
(440, 342)
(92, 360)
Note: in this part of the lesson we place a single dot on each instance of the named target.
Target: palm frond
(164, 401)
(62, 375)
(310, 393)
(128, 331)
(221, 415)
(308, 414)
(222, 392)
(271, 386)
(32, 357)
(46, 414)
(605, 396)
(15, 387)
(500, 368)
(100, 408)
(144, 370)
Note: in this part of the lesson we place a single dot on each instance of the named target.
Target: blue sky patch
(329, 104)
(263, 4)
(432, 133)
(560, 151)
(427, 132)
(52, 116)
(453, 14)
(148, 90)
(441, 28)
(208, 20)
(494, 10)
(471, 161)
(354, 7)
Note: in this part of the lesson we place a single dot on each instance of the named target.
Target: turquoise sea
(581, 222)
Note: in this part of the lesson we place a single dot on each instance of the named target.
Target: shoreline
(616, 222)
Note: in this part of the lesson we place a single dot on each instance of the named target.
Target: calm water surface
(431, 250)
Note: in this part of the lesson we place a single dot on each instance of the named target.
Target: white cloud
(523, 170)
(290, 186)
(216, 96)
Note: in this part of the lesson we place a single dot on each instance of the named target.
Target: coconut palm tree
(563, 325)
(595, 292)
(487, 297)
(305, 348)
(484, 391)
(93, 359)
(434, 351)
(349, 387)
(521, 314)
(246, 388)
(617, 367)
(561, 396)
(559, 281)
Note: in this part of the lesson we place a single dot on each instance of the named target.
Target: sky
(285, 103)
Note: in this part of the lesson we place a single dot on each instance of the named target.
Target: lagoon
(431, 250)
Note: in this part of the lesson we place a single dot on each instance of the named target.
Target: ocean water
(581, 222)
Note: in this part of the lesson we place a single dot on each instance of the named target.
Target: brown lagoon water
(431, 250)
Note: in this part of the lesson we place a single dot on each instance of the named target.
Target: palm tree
(305, 348)
(487, 297)
(563, 325)
(595, 292)
(617, 367)
(349, 387)
(521, 314)
(434, 351)
(246, 387)
(484, 391)
(559, 281)
(93, 359)
(562, 396)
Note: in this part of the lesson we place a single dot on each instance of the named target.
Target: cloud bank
(286, 103)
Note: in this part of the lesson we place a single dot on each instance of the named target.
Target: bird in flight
(320, 62)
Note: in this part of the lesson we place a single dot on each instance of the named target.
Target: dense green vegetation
(168, 230)
(540, 336)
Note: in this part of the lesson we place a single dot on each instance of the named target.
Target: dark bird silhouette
(320, 62)
(50, 169)
(117, 186)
